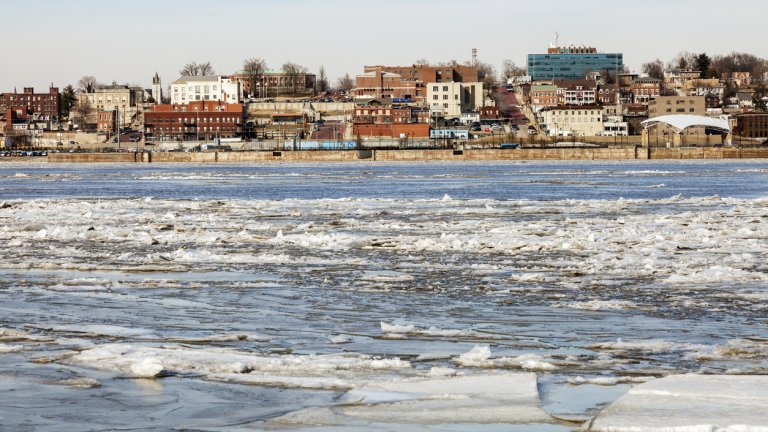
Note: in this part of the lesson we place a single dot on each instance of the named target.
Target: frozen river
(414, 296)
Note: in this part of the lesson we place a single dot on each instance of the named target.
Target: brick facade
(48, 105)
(195, 120)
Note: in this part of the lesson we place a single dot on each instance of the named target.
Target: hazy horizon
(68, 40)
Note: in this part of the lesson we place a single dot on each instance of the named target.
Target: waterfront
(290, 296)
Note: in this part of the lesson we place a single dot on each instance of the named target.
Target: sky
(59, 41)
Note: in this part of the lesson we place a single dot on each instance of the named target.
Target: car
(495, 127)
(515, 127)
(134, 138)
(476, 128)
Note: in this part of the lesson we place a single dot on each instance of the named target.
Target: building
(195, 120)
(704, 87)
(676, 78)
(666, 105)
(380, 84)
(111, 97)
(450, 99)
(276, 83)
(751, 125)
(157, 89)
(544, 95)
(430, 74)
(582, 120)
(572, 63)
(382, 118)
(576, 92)
(741, 79)
(46, 105)
(644, 89)
(217, 88)
(105, 121)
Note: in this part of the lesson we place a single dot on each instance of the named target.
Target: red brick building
(196, 120)
(751, 125)
(380, 118)
(47, 105)
(645, 89)
(430, 74)
(381, 84)
(105, 121)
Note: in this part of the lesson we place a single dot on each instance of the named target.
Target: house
(543, 95)
(576, 92)
(644, 89)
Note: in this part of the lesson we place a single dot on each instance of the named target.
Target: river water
(408, 296)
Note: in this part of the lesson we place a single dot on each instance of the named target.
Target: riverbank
(628, 153)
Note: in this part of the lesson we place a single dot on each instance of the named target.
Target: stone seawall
(628, 153)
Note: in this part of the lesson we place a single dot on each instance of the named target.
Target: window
(434, 97)
(434, 88)
(445, 88)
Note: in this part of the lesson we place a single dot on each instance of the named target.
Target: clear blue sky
(59, 41)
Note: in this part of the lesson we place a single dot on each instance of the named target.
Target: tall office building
(572, 62)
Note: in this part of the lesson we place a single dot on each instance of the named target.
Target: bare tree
(293, 72)
(322, 80)
(83, 111)
(684, 60)
(197, 69)
(422, 62)
(253, 68)
(345, 83)
(87, 84)
(654, 69)
(487, 74)
(509, 69)
(740, 62)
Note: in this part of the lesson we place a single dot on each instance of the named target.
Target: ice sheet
(690, 403)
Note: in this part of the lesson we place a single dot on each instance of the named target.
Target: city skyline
(115, 43)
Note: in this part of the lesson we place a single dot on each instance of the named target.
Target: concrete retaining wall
(93, 157)
(417, 155)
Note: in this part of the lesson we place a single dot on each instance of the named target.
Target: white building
(214, 88)
(574, 120)
(450, 99)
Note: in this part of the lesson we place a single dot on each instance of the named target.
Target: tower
(474, 56)
(157, 89)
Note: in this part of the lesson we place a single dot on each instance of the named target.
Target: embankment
(627, 153)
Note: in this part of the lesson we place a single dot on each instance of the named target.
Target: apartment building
(576, 92)
(216, 88)
(669, 105)
(46, 105)
(586, 120)
(450, 99)
(645, 89)
(195, 120)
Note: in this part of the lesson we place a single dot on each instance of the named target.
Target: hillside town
(563, 96)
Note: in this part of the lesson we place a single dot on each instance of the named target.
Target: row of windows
(192, 130)
(192, 120)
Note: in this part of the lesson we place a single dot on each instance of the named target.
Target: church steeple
(157, 89)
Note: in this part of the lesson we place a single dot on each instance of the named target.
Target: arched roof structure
(681, 122)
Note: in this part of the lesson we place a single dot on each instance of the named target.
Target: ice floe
(690, 403)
